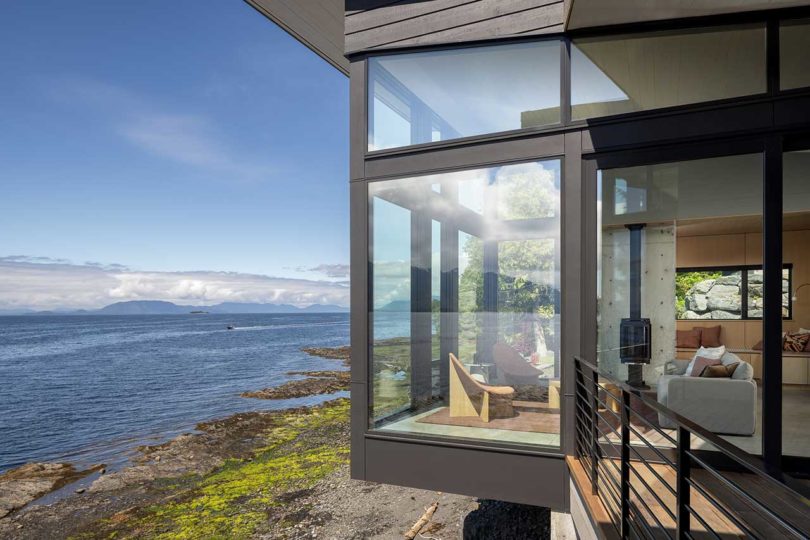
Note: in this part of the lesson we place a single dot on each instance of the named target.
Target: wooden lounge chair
(469, 397)
(513, 367)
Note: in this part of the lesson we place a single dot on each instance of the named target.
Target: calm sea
(88, 389)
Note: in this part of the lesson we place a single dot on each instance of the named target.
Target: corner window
(441, 95)
(794, 42)
(640, 72)
(465, 308)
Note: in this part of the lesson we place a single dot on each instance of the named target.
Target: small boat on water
(231, 327)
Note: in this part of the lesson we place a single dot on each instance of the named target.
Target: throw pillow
(702, 363)
(710, 337)
(687, 339)
(722, 371)
(712, 352)
(758, 345)
(796, 342)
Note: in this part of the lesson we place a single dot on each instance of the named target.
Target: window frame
(371, 426)
(743, 269)
(772, 20)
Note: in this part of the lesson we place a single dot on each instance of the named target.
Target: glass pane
(441, 95)
(675, 241)
(796, 291)
(794, 42)
(391, 322)
(640, 72)
(493, 265)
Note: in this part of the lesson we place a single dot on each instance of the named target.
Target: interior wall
(657, 284)
(746, 249)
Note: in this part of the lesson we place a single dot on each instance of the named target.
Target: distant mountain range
(156, 307)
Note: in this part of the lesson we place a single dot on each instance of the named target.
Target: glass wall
(676, 243)
(465, 305)
(640, 72)
(441, 95)
(796, 328)
(794, 42)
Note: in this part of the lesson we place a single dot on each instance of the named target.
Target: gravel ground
(341, 508)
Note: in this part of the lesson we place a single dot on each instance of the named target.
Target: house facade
(580, 242)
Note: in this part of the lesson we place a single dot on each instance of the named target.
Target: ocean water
(89, 389)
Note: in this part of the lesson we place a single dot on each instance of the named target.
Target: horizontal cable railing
(654, 484)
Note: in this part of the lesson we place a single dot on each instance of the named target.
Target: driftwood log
(429, 511)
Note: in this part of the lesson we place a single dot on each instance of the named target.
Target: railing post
(682, 474)
(625, 465)
(594, 433)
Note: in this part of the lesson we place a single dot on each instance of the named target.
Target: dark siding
(406, 23)
(318, 24)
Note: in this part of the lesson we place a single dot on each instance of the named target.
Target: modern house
(581, 254)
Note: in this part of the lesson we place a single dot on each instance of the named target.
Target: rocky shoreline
(174, 470)
(261, 475)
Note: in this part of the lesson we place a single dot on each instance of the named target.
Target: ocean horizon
(91, 389)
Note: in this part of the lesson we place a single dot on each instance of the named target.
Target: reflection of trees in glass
(527, 296)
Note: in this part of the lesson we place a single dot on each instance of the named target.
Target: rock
(702, 287)
(28, 482)
(720, 314)
(755, 313)
(755, 276)
(697, 302)
(732, 280)
(725, 302)
(690, 315)
(719, 289)
(80, 490)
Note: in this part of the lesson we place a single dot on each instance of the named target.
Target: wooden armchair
(468, 397)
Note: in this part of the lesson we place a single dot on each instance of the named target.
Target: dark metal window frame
(372, 428)
(743, 269)
(770, 19)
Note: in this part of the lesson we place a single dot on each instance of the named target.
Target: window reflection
(466, 304)
(639, 72)
(794, 42)
(441, 95)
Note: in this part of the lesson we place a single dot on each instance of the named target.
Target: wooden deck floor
(654, 504)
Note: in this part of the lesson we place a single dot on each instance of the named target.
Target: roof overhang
(593, 13)
(318, 24)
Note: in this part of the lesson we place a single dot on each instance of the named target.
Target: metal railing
(655, 483)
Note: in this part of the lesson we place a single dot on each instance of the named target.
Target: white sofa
(722, 405)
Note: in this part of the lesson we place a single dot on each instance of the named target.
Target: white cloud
(190, 138)
(31, 283)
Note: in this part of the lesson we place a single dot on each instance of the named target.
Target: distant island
(157, 307)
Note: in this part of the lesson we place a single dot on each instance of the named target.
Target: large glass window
(639, 72)
(440, 95)
(794, 42)
(481, 248)
(680, 255)
(796, 341)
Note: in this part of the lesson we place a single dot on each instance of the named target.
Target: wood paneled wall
(739, 249)
(376, 24)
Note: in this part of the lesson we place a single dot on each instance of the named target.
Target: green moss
(238, 498)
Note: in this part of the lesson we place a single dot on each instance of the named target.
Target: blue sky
(166, 137)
